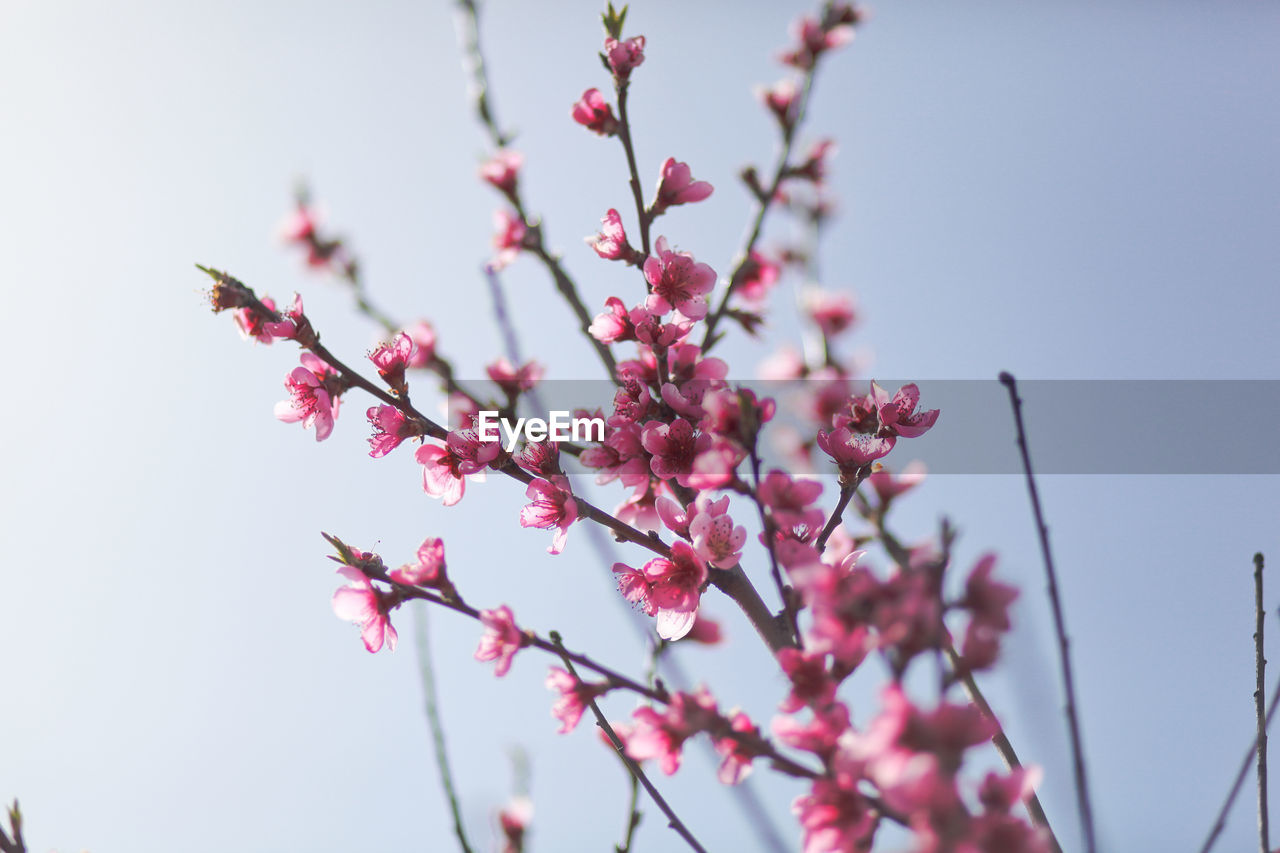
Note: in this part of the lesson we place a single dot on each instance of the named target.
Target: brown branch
(1064, 652)
(672, 820)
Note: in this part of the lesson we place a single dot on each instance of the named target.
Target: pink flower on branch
(515, 380)
(611, 242)
(677, 282)
(390, 428)
(899, 416)
(677, 186)
(314, 390)
(593, 112)
(392, 359)
(509, 232)
(624, 56)
(293, 325)
(502, 170)
(424, 339)
(553, 506)
(666, 588)
(853, 451)
(501, 639)
(674, 447)
(613, 325)
(428, 571)
(362, 603)
(575, 696)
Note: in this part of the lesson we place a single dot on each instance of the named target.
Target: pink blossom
(811, 682)
(988, 603)
(785, 363)
(501, 639)
(575, 696)
(677, 186)
(674, 447)
(313, 396)
(594, 113)
(705, 630)
(814, 168)
(757, 278)
(666, 588)
(888, 486)
(853, 451)
(611, 243)
(714, 467)
(652, 331)
(300, 225)
(677, 281)
(714, 536)
(553, 506)
(541, 458)
(392, 359)
(502, 170)
(623, 56)
(508, 238)
(252, 323)
(612, 325)
(360, 602)
(820, 735)
(512, 380)
(835, 818)
(791, 500)
(781, 99)
(815, 38)
(1001, 793)
(390, 427)
(638, 510)
(674, 516)
(429, 570)
(661, 736)
(423, 336)
(294, 324)
(441, 474)
(514, 822)
(833, 313)
(737, 756)
(898, 416)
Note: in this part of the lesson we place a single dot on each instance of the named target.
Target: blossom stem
(763, 204)
(1073, 724)
(426, 671)
(14, 844)
(672, 820)
(624, 136)
(1264, 829)
(766, 525)
(846, 494)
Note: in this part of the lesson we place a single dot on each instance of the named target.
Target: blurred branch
(1064, 652)
(1264, 829)
(426, 672)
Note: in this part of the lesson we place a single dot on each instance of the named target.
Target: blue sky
(1063, 190)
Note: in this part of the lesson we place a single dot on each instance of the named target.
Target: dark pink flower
(888, 486)
(820, 735)
(553, 506)
(424, 343)
(833, 313)
(503, 170)
(501, 639)
(429, 570)
(441, 473)
(705, 630)
(612, 325)
(623, 56)
(814, 39)
(360, 602)
(898, 416)
(293, 325)
(392, 359)
(790, 500)
(541, 458)
(390, 427)
(513, 380)
(666, 588)
(252, 323)
(514, 822)
(593, 112)
(853, 451)
(509, 232)
(312, 396)
(737, 756)
(814, 168)
(715, 538)
(575, 696)
(677, 281)
(781, 100)
(611, 243)
(758, 277)
(835, 818)
(674, 447)
(677, 186)
(811, 682)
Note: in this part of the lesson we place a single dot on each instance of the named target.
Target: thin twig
(767, 527)
(14, 844)
(672, 820)
(846, 494)
(1264, 828)
(426, 672)
(1220, 822)
(1064, 652)
(624, 136)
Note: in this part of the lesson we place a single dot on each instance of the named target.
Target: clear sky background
(1081, 190)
